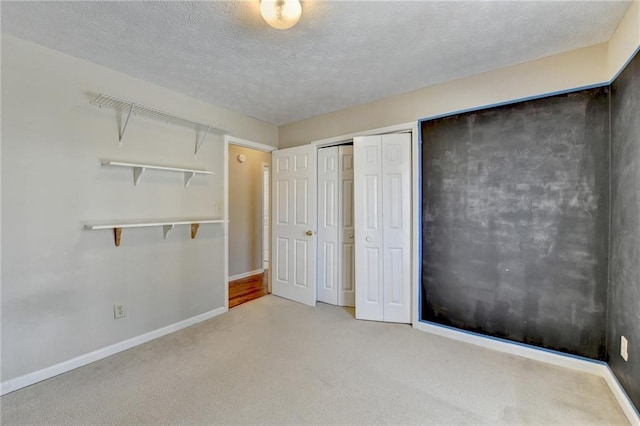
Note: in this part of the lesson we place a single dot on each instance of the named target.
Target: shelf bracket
(137, 173)
(117, 233)
(201, 139)
(187, 178)
(194, 230)
(165, 230)
(124, 127)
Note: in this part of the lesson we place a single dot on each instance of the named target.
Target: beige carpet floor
(278, 362)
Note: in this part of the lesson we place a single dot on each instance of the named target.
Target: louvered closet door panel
(368, 227)
(396, 219)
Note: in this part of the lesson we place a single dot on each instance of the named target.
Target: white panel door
(328, 225)
(382, 185)
(368, 227)
(396, 221)
(293, 252)
(346, 265)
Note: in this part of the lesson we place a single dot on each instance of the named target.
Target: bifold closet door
(335, 226)
(382, 186)
(396, 225)
(346, 283)
(367, 154)
(328, 225)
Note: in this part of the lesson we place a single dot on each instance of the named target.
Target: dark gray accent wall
(624, 290)
(516, 221)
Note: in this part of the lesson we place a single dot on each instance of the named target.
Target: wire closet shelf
(144, 111)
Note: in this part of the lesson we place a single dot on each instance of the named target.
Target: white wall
(59, 282)
(245, 209)
(578, 68)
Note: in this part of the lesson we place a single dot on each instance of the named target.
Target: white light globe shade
(281, 14)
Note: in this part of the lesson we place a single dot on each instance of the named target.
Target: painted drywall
(592, 65)
(515, 221)
(624, 41)
(59, 281)
(624, 287)
(578, 68)
(245, 209)
(581, 293)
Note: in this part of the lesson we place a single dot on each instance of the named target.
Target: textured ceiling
(340, 54)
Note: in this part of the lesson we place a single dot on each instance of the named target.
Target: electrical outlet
(624, 348)
(119, 311)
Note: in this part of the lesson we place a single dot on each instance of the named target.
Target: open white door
(294, 193)
(382, 176)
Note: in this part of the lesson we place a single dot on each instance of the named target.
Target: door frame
(416, 213)
(267, 239)
(232, 140)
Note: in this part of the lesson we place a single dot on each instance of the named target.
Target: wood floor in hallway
(249, 288)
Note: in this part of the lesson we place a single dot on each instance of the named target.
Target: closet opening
(364, 226)
(343, 223)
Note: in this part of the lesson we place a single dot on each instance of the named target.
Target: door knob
(309, 233)
(368, 239)
(351, 235)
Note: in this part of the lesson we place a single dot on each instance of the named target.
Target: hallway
(249, 288)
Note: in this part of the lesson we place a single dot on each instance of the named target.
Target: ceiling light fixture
(281, 14)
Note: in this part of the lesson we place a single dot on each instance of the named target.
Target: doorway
(248, 211)
(266, 202)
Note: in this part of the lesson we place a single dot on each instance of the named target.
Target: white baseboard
(246, 274)
(621, 396)
(79, 361)
(556, 358)
(559, 359)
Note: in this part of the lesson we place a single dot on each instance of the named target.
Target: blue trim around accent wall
(420, 189)
(528, 98)
(420, 246)
(633, 55)
(478, 108)
(513, 101)
(420, 192)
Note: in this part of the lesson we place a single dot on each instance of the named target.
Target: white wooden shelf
(166, 226)
(139, 168)
(130, 107)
